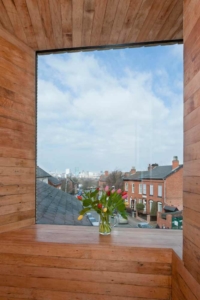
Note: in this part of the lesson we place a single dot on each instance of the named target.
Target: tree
(139, 207)
(115, 179)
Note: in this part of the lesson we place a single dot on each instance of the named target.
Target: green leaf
(87, 202)
(83, 211)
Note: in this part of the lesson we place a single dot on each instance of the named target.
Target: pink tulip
(119, 191)
(107, 188)
(124, 197)
(113, 191)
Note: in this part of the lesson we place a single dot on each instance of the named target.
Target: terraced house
(160, 184)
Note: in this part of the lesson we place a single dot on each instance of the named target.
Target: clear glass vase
(105, 225)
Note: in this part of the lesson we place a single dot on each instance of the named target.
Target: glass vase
(106, 223)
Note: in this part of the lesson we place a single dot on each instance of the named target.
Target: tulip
(79, 198)
(105, 209)
(119, 191)
(124, 193)
(124, 197)
(97, 189)
(80, 217)
(113, 191)
(107, 188)
(99, 205)
(108, 193)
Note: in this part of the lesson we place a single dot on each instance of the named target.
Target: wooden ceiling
(58, 24)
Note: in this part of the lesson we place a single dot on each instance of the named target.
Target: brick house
(102, 180)
(156, 188)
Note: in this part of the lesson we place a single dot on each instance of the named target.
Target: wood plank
(24, 16)
(192, 233)
(86, 287)
(23, 293)
(176, 28)
(4, 171)
(129, 21)
(77, 20)
(108, 21)
(192, 103)
(192, 136)
(45, 13)
(66, 13)
(121, 13)
(172, 19)
(86, 264)
(191, 200)
(17, 116)
(17, 98)
(191, 217)
(18, 126)
(4, 18)
(149, 280)
(7, 135)
(100, 8)
(152, 17)
(191, 260)
(186, 283)
(192, 152)
(17, 162)
(12, 180)
(17, 153)
(88, 15)
(15, 20)
(191, 16)
(16, 189)
(17, 225)
(18, 198)
(192, 86)
(56, 20)
(161, 19)
(192, 168)
(17, 217)
(9, 209)
(37, 23)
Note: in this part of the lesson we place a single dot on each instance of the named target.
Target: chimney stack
(133, 170)
(151, 167)
(175, 162)
(106, 173)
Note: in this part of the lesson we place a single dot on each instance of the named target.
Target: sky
(111, 109)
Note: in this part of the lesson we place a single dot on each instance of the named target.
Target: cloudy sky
(108, 110)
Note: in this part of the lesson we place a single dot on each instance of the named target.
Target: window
(151, 189)
(140, 188)
(132, 187)
(144, 189)
(160, 191)
(159, 207)
(140, 200)
(151, 203)
(126, 186)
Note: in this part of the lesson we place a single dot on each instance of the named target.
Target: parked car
(121, 220)
(144, 225)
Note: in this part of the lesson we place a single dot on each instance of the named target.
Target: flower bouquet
(106, 203)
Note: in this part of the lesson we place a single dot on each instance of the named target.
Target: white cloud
(94, 120)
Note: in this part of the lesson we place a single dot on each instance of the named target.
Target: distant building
(156, 188)
(102, 180)
(47, 178)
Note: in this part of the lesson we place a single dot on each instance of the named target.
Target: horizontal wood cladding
(191, 181)
(184, 286)
(57, 24)
(17, 130)
(31, 268)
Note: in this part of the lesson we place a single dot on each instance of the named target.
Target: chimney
(175, 162)
(133, 170)
(151, 167)
(106, 173)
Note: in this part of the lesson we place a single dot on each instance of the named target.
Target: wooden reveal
(17, 133)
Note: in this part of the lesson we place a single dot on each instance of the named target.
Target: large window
(160, 191)
(144, 187)
(151, 190)
(133, 188)
(140, 188)
(126, 186)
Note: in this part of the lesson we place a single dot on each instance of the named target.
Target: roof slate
(159, 172)
(54, 180)
(41, 173)
(54, 206)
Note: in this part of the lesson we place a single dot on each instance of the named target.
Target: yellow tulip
(80, 217)
(105, 209)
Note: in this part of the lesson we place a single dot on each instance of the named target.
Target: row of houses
(159, 188)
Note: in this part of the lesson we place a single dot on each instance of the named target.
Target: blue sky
(107, 110)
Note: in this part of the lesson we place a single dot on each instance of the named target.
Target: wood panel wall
(191, 186)
(37, 270)
(17, 133)
(184, 286)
